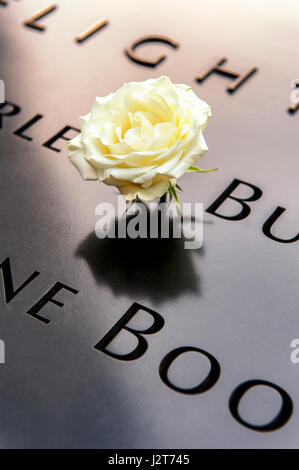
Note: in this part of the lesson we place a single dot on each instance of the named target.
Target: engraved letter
(257, 193)
(91, 30)
(121, 325)
(204, 386)
(9, 291)
(49, 297)
(269, 223)
(12, 110)
(32, 22)
(294, 96)
(238, 78)
(59, 135)
(279, 420)
(130, 50)
(20, 130)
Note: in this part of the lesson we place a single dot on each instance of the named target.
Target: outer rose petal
(131, 191)
(76, 156)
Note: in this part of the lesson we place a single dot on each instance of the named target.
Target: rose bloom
(141, 138)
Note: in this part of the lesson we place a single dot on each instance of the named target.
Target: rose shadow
(143, 268)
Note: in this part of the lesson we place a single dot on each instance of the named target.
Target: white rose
(141, 138)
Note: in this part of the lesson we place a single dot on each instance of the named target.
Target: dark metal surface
(236, 298)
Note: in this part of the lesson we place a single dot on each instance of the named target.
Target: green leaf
(170, 194)
(199, 170)
(129, 204)
(173, 192)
